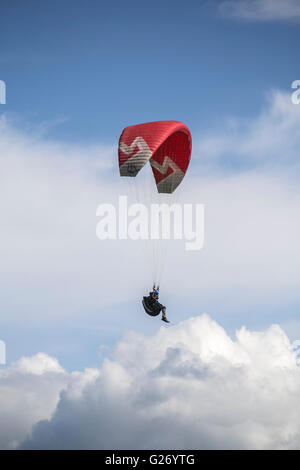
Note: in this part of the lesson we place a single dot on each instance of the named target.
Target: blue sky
(102, 65)
(76, 74)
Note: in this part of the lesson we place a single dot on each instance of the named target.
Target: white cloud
(248, 180)
(269, 141)
(38, 365)
(29, 391)
(49, 250)
(188, 386)
(261, 10)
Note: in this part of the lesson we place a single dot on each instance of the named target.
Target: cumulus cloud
(29, 391)
(188, 386)
(261, 10)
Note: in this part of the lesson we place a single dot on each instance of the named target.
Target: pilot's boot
(164, 317)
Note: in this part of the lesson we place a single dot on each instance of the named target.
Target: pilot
(154, 303)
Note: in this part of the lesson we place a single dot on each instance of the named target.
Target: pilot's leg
(163, 315)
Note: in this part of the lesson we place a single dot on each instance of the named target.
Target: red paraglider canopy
(166, 144)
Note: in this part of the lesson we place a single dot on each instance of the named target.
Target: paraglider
(167, 146)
